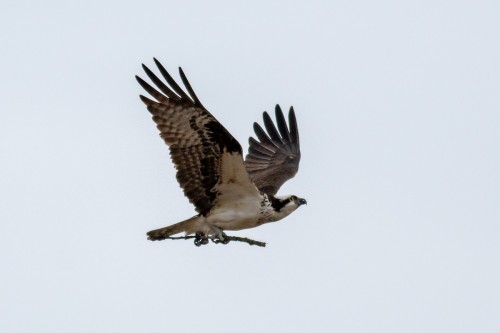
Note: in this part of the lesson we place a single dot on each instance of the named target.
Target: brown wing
(275, 158)
(197, 141)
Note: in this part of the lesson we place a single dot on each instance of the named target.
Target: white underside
(238, 205)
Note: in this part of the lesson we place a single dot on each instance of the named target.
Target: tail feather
(186, 226)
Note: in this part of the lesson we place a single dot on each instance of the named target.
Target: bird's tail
(188, 226)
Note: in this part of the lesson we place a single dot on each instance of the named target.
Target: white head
(285, 205)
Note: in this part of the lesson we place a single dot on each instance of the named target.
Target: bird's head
(297, 201)
(285, 205)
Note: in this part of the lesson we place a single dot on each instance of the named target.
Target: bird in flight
(229, 193)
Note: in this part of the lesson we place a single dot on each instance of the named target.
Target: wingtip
(256, 125)
(278, 112)
(192, 95)
(140, 80)
(148, 71)
(294, 130)
(266, 117)
(181, 72)
(159, 65)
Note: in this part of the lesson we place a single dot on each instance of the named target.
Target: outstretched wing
(275, 158)
(203, 151)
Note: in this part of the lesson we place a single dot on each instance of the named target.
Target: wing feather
(189, 88)
(275, 158)
(271, 130)
(280, 120)
(152, 91)
(171, 81)
(262, 148)
(259, 151)
(294, 130)
(263, 137)
(203, 151)
(162, 86)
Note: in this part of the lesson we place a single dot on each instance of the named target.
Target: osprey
(227, 192)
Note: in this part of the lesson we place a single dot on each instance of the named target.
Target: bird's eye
(293, 198)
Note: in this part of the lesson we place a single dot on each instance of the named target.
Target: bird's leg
(219, 237)
(200, 239)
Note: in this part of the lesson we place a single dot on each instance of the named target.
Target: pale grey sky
(398, 107)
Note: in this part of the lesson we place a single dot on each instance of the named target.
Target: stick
(229, 238)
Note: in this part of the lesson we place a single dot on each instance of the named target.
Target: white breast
(239, 204)
(236, 214)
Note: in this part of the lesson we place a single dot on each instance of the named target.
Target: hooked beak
(302, 202)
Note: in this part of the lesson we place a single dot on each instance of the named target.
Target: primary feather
(275, 158)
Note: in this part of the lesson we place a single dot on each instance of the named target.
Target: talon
(223, 238)
(215, 239)
(200, 239)
(219, 238)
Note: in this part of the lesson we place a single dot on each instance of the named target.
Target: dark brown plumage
(275, 158)
(196, 139)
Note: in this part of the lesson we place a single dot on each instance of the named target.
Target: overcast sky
(399, 114)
